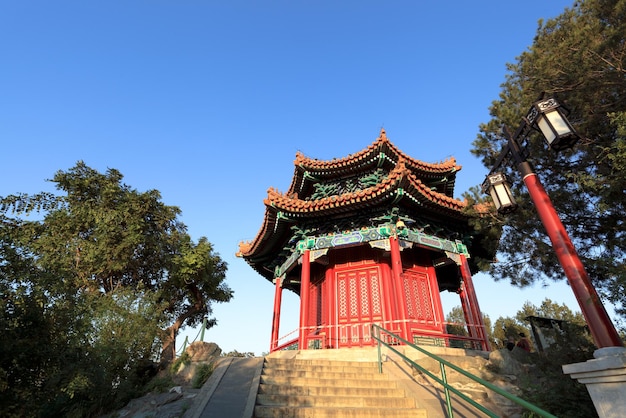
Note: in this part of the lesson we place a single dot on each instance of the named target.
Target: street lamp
(497, 186)
(548, 117)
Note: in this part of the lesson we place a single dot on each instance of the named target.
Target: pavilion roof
(400, 183)
(381, 152)
(415, 186)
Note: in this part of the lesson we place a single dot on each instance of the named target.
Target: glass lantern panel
(501, 195)
(558, 123)
(546, 130)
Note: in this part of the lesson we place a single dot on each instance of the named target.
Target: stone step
(327, 390)
(327, 373)
(261, 411)
(330, 388)
(290, 363)
(322, 381)
(337, 401)
(321, 368)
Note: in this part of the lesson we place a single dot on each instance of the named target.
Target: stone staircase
(330, 388)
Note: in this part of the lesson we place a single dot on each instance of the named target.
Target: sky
(209, 101)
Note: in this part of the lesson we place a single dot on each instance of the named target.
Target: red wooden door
(422, 307)
(358, 305)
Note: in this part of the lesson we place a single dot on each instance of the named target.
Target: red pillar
(396, 271)
(390, 311)
(278, 293)
(329, 283)
(305, 284)
(602, 329)
(473, 302)
(467, 312)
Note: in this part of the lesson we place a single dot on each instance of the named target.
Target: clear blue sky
(208, 102)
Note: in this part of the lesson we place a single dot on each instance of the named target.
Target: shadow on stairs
(317, 383)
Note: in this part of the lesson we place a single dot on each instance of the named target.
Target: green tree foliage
(506, 327)
(579, 56)
(551, 390)
(456, 324)
(95, 282)
(542, 383)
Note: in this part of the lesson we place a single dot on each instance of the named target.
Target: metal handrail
(291, 338)
(376, 330)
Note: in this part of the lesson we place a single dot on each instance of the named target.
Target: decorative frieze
(377, 237)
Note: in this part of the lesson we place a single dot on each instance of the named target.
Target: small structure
(370, 238)
(550, 332)
(546, 331)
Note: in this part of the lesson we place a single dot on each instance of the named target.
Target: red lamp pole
(602, 329)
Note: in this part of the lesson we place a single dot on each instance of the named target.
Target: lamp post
(547, 116)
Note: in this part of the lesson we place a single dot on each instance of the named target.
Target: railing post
(305, 282)
(380, 358)
(203, 328)
(446, 391)
(185, 343)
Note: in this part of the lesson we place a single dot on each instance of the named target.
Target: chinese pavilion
(372, 238)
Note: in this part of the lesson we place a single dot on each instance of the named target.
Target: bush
(203, 373)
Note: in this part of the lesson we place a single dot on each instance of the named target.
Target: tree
(101, 275)
(506, 327)
(581, 57)
(456, 324)
(196, 278)
(547, 387)
(550, 309)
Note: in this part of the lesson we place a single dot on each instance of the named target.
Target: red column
(473, 301)
(467, 312)
(396, 270)
(305, 284)
(329, 283)
(440, 318)
(278, 293)
(600, 325)
(390, 311)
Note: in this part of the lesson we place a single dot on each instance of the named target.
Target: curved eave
(261, 249)
(366, 158)
(401, 184)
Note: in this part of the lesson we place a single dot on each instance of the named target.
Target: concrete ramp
(231, 390)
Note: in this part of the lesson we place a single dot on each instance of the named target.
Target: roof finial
(383, 134)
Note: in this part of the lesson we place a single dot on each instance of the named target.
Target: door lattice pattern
(358, 305)
(354, 303)
(418, 296)
(343, 306)
(376, 306)
(365, 302)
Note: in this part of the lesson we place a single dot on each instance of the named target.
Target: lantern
(549, 116)
(497, 186)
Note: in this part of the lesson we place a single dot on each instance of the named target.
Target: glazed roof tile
(381, 152)
(401, 182)
(382, 144)
(407, 182)
(399, 178)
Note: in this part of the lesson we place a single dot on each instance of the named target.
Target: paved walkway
(231, 390)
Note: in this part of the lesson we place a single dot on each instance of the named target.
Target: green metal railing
(200, 335)
(376, 333)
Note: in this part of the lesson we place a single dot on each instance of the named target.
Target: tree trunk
(168, 349)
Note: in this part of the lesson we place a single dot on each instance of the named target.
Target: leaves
(91, 287)
(581, 57)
